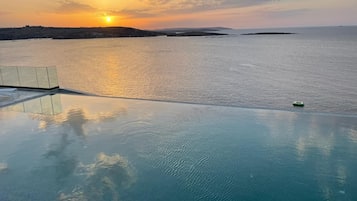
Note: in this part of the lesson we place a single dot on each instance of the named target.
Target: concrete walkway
(20, 96)
(25, 94)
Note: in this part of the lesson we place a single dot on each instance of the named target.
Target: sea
(317, 65)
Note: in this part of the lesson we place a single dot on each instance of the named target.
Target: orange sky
(152, 14)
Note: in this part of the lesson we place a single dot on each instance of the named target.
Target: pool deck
(25, 94)
(19, 96)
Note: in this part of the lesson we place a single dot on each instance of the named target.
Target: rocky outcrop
(33, 32)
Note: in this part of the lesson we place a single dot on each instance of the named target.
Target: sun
(108, 19)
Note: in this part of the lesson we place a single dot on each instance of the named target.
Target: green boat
(298, 104)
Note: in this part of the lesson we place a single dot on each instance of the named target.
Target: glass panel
(27, 76)
(33, 77)
(50, 105)
(52, 74)
(42, 77)
(10, 76)
(56, 104)
(33, 106)
(47, 105)
(1, 80)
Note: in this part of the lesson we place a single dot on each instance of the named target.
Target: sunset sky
(153, 14)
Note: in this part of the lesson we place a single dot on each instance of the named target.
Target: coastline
(40, 32)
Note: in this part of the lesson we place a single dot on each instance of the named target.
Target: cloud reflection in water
(3, 167)
(317, 142)
(105, 177)
(76, 118)
(102, 179)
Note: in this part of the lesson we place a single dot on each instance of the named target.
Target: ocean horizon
(315, 65)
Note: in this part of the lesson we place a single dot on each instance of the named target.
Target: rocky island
(194, 33)
(267, 33)
(37, 32)
(182, 32)
(31, 32)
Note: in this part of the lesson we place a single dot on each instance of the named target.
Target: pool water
(69, 147)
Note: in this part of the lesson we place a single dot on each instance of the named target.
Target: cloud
(68, 6)
(155, 8)
(287, 12)
(184, 6)
(4, 13)
(245, 3)
(201, 5)
(131, 13)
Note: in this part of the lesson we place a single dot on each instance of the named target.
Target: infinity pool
(67, 147)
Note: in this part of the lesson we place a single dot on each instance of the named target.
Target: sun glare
(108, 19)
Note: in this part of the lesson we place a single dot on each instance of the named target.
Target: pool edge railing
(29, 77)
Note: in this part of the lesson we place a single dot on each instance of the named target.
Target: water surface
(66, 147)
(316, 65)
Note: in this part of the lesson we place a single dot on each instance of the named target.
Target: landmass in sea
(33, 32)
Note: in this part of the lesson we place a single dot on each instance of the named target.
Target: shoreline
(62, 33)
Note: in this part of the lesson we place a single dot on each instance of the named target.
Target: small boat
(298, 104)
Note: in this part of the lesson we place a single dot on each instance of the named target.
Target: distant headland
(267, 33)
(38, 32)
